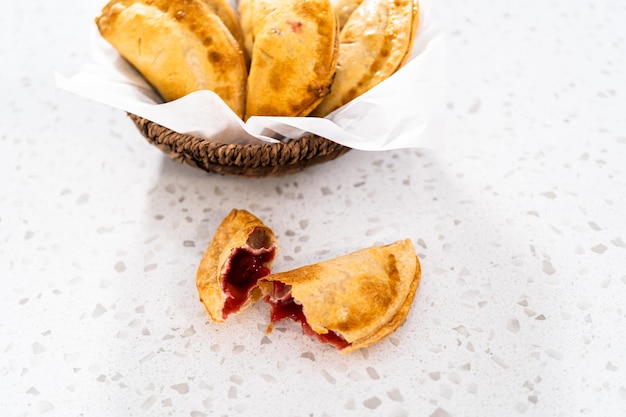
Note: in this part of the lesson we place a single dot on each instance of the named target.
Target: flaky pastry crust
(294, 55)
(179, 46)
(374, 43)
(239, 231)
(344, 9)
(362, 297)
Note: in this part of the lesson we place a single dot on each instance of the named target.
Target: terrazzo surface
(517, 219)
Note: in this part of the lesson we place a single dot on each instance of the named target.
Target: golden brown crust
(294, 55)
(375, 41)
(240, 229)
(344, 9)
(149, 34)
(251, 13)
(363, 296)
(228, 15)
(395, 322)
(246, 16)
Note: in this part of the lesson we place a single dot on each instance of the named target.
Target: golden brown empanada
(179, 46)
(294, 55)
(242, 251)
(374, 43)
(351, 301)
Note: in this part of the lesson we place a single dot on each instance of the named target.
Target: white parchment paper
(404, 111)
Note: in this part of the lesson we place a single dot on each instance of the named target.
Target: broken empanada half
(241, 251)
(294, 55)
(374, 43)
(351, 301)
(179, 46)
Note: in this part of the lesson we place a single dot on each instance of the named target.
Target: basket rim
(251, 159)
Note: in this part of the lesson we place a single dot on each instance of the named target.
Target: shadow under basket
(253, 160)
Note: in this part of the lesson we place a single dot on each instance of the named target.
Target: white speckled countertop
(518, 219)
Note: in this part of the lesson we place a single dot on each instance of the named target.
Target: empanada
(294, 55)
(179, 46)
(374, 43)
(351, 301)
(242, 251)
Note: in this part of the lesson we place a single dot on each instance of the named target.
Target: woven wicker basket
(253, 160)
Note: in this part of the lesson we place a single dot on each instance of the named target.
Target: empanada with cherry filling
(374, 43)
(351, 301)
(242, 251)
(294, 55)
(179, 46)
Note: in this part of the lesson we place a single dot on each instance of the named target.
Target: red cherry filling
(283, 306)
(245, 270)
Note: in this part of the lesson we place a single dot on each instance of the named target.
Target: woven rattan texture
(254, 160)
